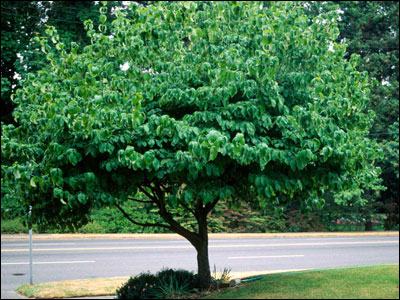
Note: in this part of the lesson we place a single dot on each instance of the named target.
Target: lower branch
(141, 224)
(209, 206)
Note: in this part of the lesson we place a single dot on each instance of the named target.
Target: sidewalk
(45, 236)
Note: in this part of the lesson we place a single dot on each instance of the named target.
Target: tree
(19, 22)
(187, 104)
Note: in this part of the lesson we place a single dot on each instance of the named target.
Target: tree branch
(210, 206)
(158, 199)
(141, 224)
(192, 237)
(153, 198)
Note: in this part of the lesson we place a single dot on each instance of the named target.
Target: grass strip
(379, 282)
(73, 288)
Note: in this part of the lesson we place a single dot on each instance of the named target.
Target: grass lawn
(359, 283)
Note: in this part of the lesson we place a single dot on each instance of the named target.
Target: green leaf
(239, 139)
(213, 153)
(17, 174)
(188, 196)
(82, 198)
(156, 164)
(58, 193)
(32, 182)
(102, 18)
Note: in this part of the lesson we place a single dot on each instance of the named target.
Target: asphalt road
(56, 260)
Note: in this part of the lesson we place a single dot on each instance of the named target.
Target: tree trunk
(198, 240)
(368, 224)
(203, 265)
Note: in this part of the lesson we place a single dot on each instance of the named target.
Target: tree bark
(203, 265)
(368, 224)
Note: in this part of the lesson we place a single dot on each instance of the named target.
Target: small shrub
(166, 284)
(171, 288)
(13, 226)
(299, 222)
(92, 227)
(218, 281)
(139, 287)
(182, 277)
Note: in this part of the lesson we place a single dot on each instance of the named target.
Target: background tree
(371, 29)
(23, 20)
(187, 104)
(19, 22)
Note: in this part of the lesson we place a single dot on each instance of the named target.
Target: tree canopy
(188, 103)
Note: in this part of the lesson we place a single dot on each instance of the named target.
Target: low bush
(222, 279)
(303, 222)
(92, 227)
(13, 226)
(183, 277)
(138, 287)
(166, 284)
(245, 219)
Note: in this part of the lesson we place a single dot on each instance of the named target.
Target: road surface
(56, 260)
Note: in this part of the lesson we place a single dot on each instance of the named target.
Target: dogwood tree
(188, 103)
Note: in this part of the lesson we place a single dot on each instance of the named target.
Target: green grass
(352, 283)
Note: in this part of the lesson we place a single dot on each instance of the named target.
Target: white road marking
(52, 262)
(271, 256)
(39, 244)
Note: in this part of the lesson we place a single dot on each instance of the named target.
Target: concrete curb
(66, 236)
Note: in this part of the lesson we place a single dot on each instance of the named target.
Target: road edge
(70, 236)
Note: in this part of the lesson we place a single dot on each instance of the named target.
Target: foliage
(166, 284)
(111, 220)
(190, 103)
(92, 227)
(21, 22)
(390, 175)
(371, 29)
(245, 219)
(337, 217)
(175, 284)
(138, 287)
(300, 222)
(13, 226)
(223, 278)
(170, 289)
